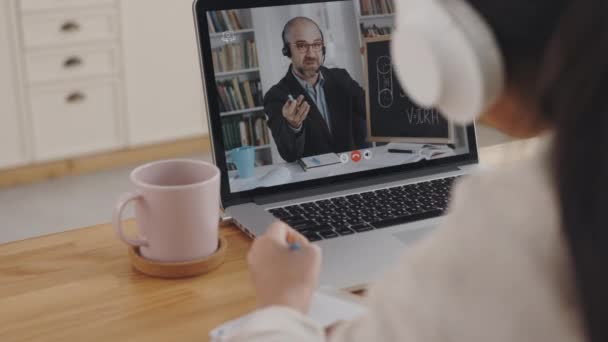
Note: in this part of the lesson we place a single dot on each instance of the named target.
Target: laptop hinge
(326, 189)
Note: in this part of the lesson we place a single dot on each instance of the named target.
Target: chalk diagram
(384, 70)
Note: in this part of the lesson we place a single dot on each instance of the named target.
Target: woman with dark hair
(521, 255)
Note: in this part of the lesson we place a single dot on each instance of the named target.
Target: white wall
(12, 148)
(162, 73)
(343, 35)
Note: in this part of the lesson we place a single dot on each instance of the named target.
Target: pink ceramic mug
(177, 205)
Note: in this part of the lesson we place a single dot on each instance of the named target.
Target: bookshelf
(236, 72)
(243, 111)
(376, 7)
(236, 66)
(237, 32)
(375, 18)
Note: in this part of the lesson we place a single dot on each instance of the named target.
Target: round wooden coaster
(173, 270)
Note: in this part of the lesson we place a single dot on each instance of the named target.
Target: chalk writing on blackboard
(391, 115)
(420, 116)
(384, 70)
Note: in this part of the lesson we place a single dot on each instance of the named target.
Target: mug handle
(117, 218)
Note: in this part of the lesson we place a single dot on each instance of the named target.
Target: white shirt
(497, 269)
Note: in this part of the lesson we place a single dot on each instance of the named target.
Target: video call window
(302, 97)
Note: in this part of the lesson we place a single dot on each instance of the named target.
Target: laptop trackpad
(411, 236)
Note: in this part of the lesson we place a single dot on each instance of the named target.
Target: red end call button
(356, 156)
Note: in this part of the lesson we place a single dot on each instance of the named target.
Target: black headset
(287, 50)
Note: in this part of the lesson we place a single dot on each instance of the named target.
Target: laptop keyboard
(340, 216)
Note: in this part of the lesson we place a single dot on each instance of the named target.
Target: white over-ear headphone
(447, 57)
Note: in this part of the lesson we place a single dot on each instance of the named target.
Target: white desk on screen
(380, 158)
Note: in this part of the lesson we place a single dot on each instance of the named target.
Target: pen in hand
(295, 111)
(294, 245)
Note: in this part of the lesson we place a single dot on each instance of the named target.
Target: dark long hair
(561, 47)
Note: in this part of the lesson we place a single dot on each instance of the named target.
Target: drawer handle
(76, 97)
(70, 26)
(72, 62)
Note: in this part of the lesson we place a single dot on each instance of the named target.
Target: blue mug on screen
(244, 159)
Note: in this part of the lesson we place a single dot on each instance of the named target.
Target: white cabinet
(81, 77)
(75, 119)
(35, 5)
(12, 151)
(71, 77)
(162, 76)
(73, 63)
(69, 27)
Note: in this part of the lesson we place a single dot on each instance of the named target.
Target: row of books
(373, 7)
(245, 131)
(220, 21)
(375, 31)
(239, 95)
(235, 56)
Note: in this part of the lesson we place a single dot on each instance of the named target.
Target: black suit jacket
(346, 103)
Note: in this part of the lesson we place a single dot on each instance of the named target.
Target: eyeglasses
(303, 47)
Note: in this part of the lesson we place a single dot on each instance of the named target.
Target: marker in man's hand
(291, 98)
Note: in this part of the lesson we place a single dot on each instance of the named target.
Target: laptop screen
(302, 91)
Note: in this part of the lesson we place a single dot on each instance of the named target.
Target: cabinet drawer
(70, 63)
(34, 5)
(52, 29)
(75, 119)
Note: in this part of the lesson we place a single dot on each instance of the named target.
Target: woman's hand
(282, 276)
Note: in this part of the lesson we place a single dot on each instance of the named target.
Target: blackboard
(391, 115)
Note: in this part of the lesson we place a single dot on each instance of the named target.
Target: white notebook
(328, 307)
(314, 162)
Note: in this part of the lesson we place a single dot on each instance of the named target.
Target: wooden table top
(79, 286)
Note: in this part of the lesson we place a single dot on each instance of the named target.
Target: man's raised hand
(296, 111)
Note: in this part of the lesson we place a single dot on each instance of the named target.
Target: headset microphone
(287, 51)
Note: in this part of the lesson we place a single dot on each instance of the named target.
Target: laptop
(310, 128)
